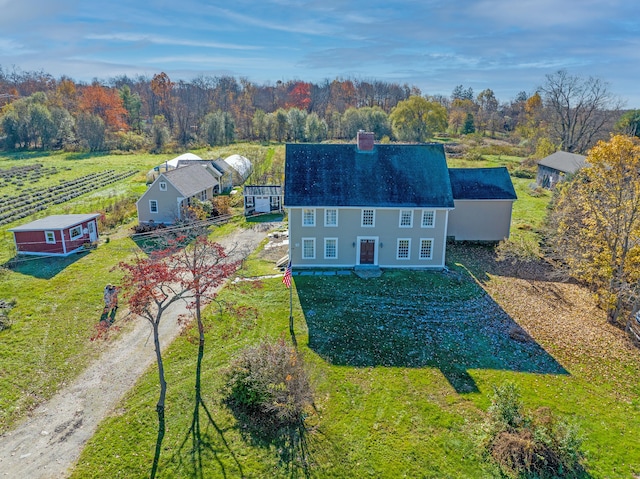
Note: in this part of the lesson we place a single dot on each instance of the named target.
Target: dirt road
(49, 442)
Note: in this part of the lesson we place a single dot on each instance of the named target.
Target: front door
(367, 251)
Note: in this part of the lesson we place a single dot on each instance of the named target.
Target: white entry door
(262, 204)
(91, 226)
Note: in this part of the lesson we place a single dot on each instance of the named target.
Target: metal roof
(388, 176)
(265, 190)
(481, 184)
(56, 222)
(564, 161)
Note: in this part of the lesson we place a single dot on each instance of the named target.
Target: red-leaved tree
(151, 285)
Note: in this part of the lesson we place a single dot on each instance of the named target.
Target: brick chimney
(365, 141)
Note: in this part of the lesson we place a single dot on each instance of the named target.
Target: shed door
(367, 251)
(91, 226)
(262, 204)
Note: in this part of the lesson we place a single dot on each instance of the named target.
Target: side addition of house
(483, 199)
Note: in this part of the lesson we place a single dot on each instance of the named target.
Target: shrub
(270, 384)
(221, 205)
(537, 445)
(5, 307)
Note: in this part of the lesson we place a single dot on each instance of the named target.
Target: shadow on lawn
(42, 267)
(417, 319)
(204, 444)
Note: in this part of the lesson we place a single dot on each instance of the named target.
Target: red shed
(58, 235)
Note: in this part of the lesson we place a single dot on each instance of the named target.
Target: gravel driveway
(49, 442)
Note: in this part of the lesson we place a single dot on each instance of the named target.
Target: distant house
(385, 205)
(262, 199)
(557, 166)
(174, 190)
(483, 200)
(58, 235)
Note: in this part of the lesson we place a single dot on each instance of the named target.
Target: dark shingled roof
(264, 190)
(481, 184)
(388, 176)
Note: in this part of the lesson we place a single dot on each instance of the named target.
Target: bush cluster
(536, 445)
(269, 382)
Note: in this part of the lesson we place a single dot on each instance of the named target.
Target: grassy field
(403, 368)
(58, 301)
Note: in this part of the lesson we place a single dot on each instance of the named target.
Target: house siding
(167, 204)
(168, 210)
(480, 220)
(385, 234)
(35, 242)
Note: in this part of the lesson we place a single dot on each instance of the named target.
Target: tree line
(141, 113)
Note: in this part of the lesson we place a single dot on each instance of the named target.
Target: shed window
(406, 218)
(428, 217)
(368, 217)
(153, 206)
(163, 186)
(426, 248)
(75, 232)
(275, 202)
(308, 248)
(308, 217)
(50, 237)
(403, 248)
(248, 201)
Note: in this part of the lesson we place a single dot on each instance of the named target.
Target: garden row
(17, 175)
(28, 203)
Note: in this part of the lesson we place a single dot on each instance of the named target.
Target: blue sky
(506, 45)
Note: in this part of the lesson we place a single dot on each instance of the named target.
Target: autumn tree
(487, 116)
(595, 225)
(104, 103)
(153, 284)
(162, 86)
(417, 119)
(578, 109)
(300, 96)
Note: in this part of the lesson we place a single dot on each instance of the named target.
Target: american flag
(286, 279)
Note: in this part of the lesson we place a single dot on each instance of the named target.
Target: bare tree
(578, 109)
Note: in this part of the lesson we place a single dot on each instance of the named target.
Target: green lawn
(58, 301)
(403, 367)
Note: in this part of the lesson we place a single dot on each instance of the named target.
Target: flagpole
(290, 268)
